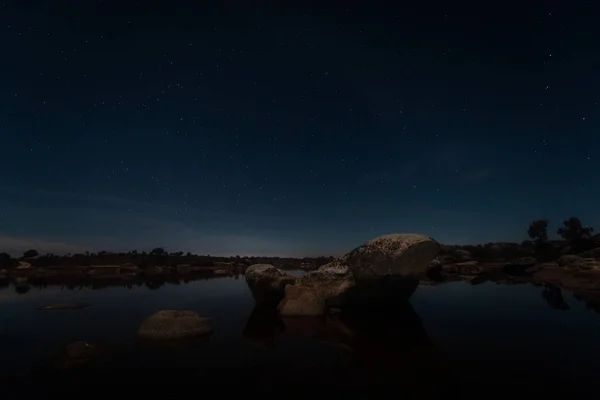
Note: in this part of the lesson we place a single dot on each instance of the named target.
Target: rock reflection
(384, 346)
(263, 326)
(22, 289)
(554, 298)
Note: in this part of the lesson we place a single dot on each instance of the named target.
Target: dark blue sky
(293, 132)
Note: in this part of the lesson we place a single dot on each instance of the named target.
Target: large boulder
(401, 254)
(267, 283)
(383, 270)
(173, 324)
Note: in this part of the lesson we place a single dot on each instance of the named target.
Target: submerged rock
(78, 354)
(64, 306)
(267, 283)
(173, 324)
(82, 350)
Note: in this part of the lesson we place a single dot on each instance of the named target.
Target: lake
(452, 338)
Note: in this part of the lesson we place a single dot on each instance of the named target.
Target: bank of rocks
(383, 270)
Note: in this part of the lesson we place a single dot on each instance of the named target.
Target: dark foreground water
(455, 339)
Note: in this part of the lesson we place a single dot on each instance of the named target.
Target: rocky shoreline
(576, 274)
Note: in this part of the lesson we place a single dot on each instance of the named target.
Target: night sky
(125, 125)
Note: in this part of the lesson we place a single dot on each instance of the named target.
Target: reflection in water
(263, 326)
(22, 289)
(384, 346)
(23, 285)
(554, 298)
(473, 324)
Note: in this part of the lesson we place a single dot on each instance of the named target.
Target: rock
(593, 253)
(381, 271)
(130, 269)
(300, 301)
(310, 294)
(462, 255)
(519, 266)
(579, 282)
(567, 259)
(78, 354)
(537, 267)
(468, 268)
(221, 272)
(586, 264)
(173, 324)
(267, 283)
(436, 262)
(406, 255)
(79, 350)
(64, 306)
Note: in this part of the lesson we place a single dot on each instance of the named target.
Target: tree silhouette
(538, 231)
(30, 253)
(578, 235)
(574, 231)
(158, 251)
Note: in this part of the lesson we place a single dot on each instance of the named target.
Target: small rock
(221, 272)
(24, 265)
(468, 268)
(173, 324)
(435, 263)
(567, 259)
(64, 306)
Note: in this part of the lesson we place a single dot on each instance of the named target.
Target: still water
(455, 337)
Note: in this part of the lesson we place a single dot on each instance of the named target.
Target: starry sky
(293, 132)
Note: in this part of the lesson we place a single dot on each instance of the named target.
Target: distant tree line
(578, 237)
(157, 257)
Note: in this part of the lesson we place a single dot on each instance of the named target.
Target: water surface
(455, 337)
